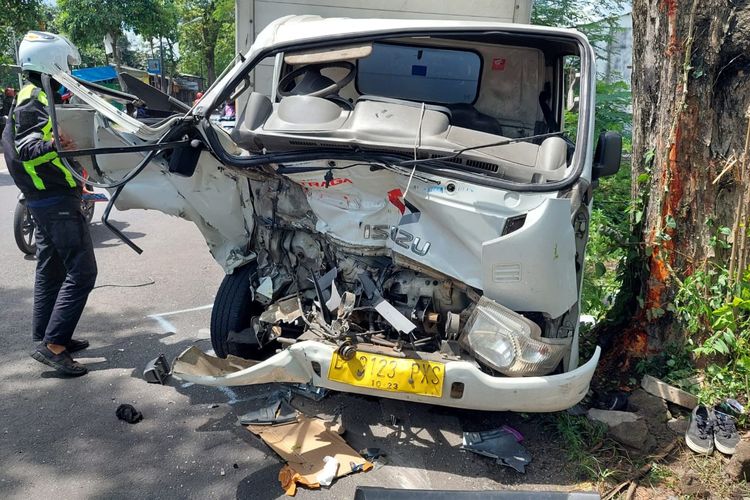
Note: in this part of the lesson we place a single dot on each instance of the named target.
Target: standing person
(66, 267)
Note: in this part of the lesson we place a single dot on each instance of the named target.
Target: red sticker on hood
(498, 64)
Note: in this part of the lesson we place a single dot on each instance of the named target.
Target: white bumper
(300, 362)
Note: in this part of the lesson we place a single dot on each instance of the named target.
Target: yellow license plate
(385, 373)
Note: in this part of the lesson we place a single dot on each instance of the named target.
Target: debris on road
(501, 444)
(310, 391)
(304, 445)
(276, 410)
(371, 453)
(330, 469)
(654, 386)
(193, 361)
(157, 370)
(129, 414)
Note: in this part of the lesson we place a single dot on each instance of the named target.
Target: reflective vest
(30, 154)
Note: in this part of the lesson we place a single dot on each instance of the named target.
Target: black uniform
(66, 267)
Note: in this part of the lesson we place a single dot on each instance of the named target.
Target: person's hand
(64, 142)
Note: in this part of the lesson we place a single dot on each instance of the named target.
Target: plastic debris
(129, 414)
(501, 444)
(276, 410)
(327, 475)
(310, 391)
(733, 406)
(371, 453)
(157, 370)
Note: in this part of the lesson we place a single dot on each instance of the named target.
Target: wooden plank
(654, 386)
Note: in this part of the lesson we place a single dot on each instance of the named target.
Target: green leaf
(599, 270)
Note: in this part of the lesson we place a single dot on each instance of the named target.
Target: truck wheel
(233, 308)
(23, 229)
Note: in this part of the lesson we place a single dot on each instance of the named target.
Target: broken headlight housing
(510, 343)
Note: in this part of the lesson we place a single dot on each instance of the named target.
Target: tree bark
(690, 103)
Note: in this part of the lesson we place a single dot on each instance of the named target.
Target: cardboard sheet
(304, 444)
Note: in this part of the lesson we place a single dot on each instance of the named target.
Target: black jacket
(29, 151)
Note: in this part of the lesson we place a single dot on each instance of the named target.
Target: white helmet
(47, 53)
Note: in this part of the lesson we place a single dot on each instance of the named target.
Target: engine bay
(307, 285)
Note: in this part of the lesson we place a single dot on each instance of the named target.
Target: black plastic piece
(377, 493)
(183, 161)
(157, 370)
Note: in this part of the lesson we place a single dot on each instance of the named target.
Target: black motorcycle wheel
(23, 229)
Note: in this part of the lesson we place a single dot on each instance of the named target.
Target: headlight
(510, 343)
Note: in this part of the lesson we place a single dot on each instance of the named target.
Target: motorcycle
(23, 223)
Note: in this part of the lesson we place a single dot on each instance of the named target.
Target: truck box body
(254, 15)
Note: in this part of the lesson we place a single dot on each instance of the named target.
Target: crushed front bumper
(309, 362)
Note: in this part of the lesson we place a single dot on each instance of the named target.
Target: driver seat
(311, 82)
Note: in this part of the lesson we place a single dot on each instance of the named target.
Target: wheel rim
(27, 229)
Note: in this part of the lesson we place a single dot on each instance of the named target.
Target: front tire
(232, 311)
(23, 229)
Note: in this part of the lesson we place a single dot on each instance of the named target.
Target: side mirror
(607, 156)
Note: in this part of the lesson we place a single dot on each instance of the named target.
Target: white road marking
(167, 325)
(181, 311)
(228, 392)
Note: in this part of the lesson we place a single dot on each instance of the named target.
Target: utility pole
(161, 64)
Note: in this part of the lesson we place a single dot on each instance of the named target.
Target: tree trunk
(690, 99)
(208, 60)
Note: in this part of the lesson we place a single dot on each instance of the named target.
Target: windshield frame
(582, 156)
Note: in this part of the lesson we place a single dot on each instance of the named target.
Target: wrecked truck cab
(400, 214)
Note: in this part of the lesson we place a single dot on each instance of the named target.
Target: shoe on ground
(726, 437)
(73, 345)
(62, 362)
(76, 345)
(699, 434)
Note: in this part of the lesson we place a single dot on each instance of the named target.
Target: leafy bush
(718, 321)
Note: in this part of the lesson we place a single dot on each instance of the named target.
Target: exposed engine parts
(312, 286)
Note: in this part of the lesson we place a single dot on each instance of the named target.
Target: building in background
(615, 60)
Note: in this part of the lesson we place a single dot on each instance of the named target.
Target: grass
(661, 475)
(586, 446)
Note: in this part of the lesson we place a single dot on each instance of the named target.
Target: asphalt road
(59, 438)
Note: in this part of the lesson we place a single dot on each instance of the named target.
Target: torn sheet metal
(193, 365)
(125, 122)
(285, 311)
(501, 444)
(304, 445)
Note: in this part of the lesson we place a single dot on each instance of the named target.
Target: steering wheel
(312, 80)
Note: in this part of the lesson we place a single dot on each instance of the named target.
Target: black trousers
(65, 270)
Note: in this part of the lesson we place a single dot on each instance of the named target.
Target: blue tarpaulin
(96, 74)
